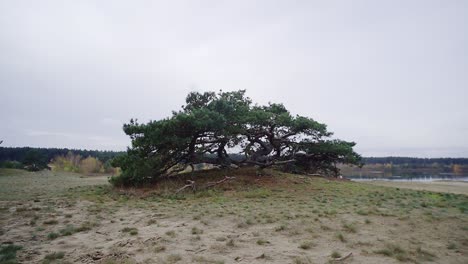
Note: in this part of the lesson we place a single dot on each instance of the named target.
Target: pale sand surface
(458, 187)
(282, 219)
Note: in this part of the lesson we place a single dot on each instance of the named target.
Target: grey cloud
(390, 75)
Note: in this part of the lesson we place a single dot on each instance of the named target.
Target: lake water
(422, 178)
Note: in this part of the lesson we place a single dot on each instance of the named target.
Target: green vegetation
(262, 242)
(408, 167)
(306, 245)
(341, 237)
(196, 231)
(349, 227)
(68, 230)
(335, 254)
(8, 253)
(50, 258)
(206, 260)
(170, 233)
(76, 163)
(16, 184)
(408, 161)
(173, 258)
(392, 250)
(35, 159)
(131, 230)
(52, 235)
(160, 248)
(209, 123)
(50, 222)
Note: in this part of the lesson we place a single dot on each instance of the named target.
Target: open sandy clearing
(278, 219)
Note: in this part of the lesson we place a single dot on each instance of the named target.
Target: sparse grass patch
(294, 232)
(341, 237)
(21, 209)
(262, 242)
(170, 233)
(306, 245)
(245, 224)
(302, 260)
(159, 248)
(201, 259)
(395, 251)
(50, 222)
(425, 255)
(86, 226)
(52, 235)
(350, 227)
(362, 212)
(195, 238)
(196, 217)
(257, 193)
(8, 253)
(231, 243)
(173, 258)
(32, 222)
(50, 258)
(280, 228)
(452, 246)
(335, 254)
(131, 230)
(68, 230)
(196, 231)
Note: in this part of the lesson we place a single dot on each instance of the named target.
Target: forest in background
(71, 160)
(98, 160)
(408, 166)
(20, 153)
(409, 161)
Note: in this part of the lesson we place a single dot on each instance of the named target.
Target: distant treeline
(403, 166)
(20, 154)
(415, 161)
(19, 157)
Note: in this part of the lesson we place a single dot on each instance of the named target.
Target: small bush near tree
(76, 163)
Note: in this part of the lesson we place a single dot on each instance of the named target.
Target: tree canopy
(211, 126)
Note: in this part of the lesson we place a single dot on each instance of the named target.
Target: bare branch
(211, 184)
(345, 257)
(190, 184)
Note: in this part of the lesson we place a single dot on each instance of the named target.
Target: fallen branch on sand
(211, 184)
(191, 184)
(343, 258)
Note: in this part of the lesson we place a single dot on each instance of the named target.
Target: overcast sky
(389, 75)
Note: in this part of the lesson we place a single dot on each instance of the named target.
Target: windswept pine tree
(212, 125)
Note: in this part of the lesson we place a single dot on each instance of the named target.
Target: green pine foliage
(211, 123)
